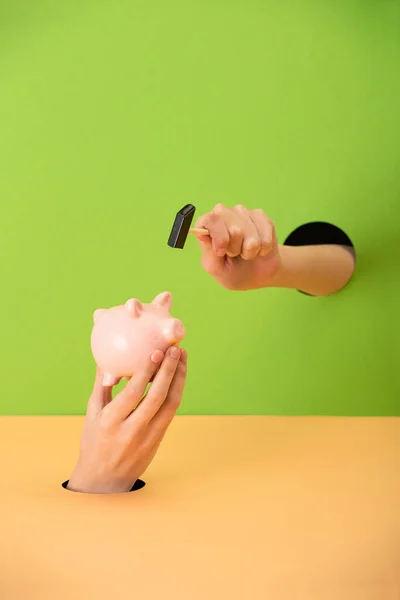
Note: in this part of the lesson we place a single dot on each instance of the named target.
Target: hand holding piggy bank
(124, 334)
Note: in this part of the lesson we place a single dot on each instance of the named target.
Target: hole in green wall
(319, 233)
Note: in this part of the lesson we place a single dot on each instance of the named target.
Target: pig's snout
(174, 331)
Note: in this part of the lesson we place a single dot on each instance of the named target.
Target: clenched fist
(242, 251)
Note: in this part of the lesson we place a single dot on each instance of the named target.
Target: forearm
(317, 270)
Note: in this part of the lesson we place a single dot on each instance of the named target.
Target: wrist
(283, 274)
(138, 485)
(85, 481)
(82, 483)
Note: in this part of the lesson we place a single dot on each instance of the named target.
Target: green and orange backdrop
(114, 115)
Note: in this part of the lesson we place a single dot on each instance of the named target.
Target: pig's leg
(109, 380)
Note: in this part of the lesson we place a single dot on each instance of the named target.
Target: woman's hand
(121, 436)
(242, 251)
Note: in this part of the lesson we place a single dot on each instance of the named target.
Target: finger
(152, 444)
(166, 413)
(232, 223)
(211, 260)
(159, 425)
(266, 229)
(126, 401)
(97, 385)
(153, 441)
(155, 437)
(251, 243)
(100, 395)
(159, 389)
(215, 222)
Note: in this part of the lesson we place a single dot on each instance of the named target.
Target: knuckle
(132, 392)
(250, 252)
(265, 245)
(212, 218)
(235, 232)
(157, 399)
(175, 403)
(265, 250)
(240, 208)
(259, 212)
(182, 378)
(223, 241)
(218, 208)
(251, 245)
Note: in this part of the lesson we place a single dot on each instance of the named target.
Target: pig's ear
(97, 314)
(164, 299)
(134, 307)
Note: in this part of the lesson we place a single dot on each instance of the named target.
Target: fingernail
(157, 356)
(175, 352)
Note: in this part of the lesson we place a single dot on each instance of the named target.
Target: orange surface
(234, 508)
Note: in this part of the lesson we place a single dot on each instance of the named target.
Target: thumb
(210, 261)
(100, 395)
(213, 246)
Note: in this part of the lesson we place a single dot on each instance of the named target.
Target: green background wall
(115, 114)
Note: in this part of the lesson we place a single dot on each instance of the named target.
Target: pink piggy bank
(122, 336)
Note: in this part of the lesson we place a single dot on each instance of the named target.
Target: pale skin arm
(242, 253)
(317, 270)
(121, 436)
